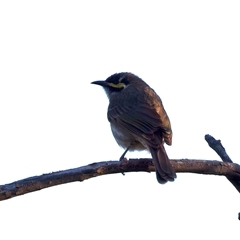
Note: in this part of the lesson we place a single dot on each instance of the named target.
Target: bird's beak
(101, 83)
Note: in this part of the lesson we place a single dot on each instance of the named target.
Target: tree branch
(32, 184)
(217, 146)
(226, 168)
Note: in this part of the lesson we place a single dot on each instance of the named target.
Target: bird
(138, 120)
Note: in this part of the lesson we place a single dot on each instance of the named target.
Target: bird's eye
(121, 79)
(124, 80)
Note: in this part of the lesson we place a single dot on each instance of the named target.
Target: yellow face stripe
(119, 85)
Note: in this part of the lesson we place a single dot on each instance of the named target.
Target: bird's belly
(126, 139)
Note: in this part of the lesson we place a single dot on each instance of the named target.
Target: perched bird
(138, 120)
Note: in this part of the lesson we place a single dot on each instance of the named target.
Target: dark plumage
(138, 120)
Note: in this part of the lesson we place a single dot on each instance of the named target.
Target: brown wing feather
(143, 121)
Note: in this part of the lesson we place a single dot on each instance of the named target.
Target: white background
(52, 118)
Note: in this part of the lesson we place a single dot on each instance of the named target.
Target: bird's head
(117, 82)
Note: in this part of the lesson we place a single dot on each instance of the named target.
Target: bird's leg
(122, 158)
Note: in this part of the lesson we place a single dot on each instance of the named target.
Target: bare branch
(32, 184)
(226, 168)
(217, 146)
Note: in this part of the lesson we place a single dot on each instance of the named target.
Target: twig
(217, 146)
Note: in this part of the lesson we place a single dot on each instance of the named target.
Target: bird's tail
(164, 169)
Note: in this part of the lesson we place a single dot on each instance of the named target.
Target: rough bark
(217, 146)
(226, 168)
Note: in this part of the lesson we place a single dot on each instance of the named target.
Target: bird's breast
(125, 138)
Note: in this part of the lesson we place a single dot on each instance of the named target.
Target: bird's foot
(123, 159)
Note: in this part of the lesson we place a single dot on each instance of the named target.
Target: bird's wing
(143, 121)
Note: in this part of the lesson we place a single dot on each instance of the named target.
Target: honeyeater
(138, 120)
